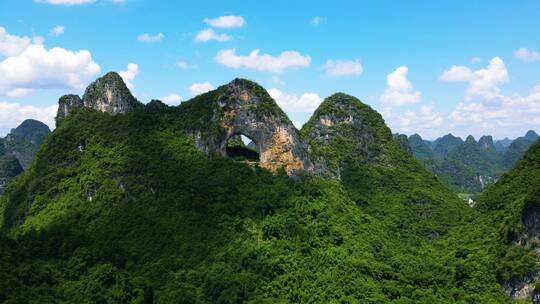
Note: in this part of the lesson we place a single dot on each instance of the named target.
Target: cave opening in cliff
(242, 148)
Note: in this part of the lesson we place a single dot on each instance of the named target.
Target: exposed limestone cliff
(68, 104)
(107, 94)
(243, 107)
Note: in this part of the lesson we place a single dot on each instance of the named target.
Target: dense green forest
(124, 209)
(467, 166)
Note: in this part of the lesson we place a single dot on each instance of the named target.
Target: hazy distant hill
(517, 148)
(469, 166)
(19, 147)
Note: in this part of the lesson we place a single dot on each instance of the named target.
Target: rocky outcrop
(244, 108)
(68, 104)
(523, 288)
(526, 287)
(107, 94)
(486, 143)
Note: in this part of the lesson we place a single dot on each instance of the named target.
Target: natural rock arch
(241, 149)
(240, 107)
(243, 107)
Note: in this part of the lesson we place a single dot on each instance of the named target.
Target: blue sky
(430, 67)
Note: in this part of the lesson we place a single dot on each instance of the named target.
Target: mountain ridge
(126, 206)
(469, 166)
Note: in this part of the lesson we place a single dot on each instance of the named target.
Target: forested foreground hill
(132, 208)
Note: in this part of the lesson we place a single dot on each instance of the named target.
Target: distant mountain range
(467, 165)
(18, 148)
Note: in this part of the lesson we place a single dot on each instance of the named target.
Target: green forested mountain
(18, 148)
(468, 166)
(131, 207)
(512, 205)
(517, 148)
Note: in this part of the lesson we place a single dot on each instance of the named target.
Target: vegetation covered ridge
(129, 208)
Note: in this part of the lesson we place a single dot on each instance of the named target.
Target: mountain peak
(344, 120)
(68, 104)
(107, 94)
(470, 139)
(416, 136)
(531, 135)
(486, 142)
(243, 107)
(31, 130)
(449, 137)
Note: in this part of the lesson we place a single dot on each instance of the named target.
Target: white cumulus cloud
(29, 66)
(150, 38)
(12, 45)
(502, 116)
(39, 68)
(265, 62)
(338, 68)
(307, 102)
(129, 74)
(173, 99)
(226, 21)
(426, 121)
(526, 55)
(457, 73)
(482, 82)
(200, 88)
(57, 30)
(13, 114)
(210, 34)
(399, 89)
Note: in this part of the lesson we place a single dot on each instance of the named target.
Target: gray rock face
(108, 94)
(523, 288)
(531, 220)
(245, 108)
(68, 104)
